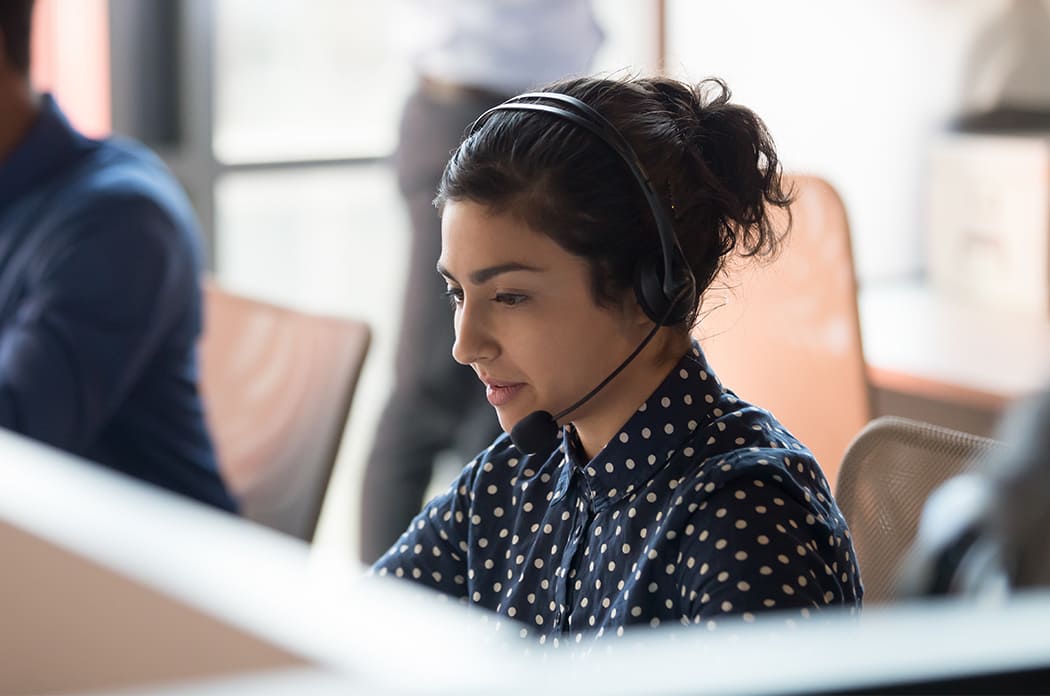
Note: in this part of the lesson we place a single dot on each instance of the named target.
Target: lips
(501, 393)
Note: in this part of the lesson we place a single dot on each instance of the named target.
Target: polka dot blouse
(702, 506)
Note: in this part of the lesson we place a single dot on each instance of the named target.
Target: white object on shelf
(989, 220)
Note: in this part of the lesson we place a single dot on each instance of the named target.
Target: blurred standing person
(468, 55)
(100, 305)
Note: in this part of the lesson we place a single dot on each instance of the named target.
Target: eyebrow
(486, 274)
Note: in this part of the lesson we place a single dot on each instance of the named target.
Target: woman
(580, 228)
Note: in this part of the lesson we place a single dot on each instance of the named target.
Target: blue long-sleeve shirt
(702, 506)
(100, 308)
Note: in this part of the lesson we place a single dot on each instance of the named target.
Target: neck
(21, 108)
(604, 417)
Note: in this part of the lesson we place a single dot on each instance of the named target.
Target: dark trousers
(437, 404)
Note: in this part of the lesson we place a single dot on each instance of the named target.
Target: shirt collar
(50, 143)
(682, 403)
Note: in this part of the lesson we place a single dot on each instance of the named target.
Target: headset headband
(591, 120)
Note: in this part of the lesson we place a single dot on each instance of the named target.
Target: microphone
(538, 431)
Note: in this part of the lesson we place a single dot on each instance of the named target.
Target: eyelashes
(508, 299)
(454, 296)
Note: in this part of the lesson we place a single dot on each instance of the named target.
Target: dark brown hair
(16, 19)
(712, 162)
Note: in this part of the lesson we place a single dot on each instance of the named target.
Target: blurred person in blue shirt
(100, 303)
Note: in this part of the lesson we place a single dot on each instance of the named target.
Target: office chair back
(887, 474)
(786, 335)
(277, 385)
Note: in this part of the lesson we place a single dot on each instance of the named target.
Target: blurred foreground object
(92, 604)
(987, 533)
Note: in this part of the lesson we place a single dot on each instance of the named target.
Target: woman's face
(526, 319)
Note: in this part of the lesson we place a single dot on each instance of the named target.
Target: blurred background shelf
(948, 361)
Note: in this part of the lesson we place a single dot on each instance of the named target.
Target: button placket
(581, 517)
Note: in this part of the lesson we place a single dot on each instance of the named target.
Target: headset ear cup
(649, 290)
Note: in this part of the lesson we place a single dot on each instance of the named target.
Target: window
(283, 114)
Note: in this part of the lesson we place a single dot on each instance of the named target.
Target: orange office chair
(887, 474)
(277, 385)
(785, 335)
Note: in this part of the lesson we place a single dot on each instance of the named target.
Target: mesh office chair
(277, 385)
(887, 474)
(786, 335)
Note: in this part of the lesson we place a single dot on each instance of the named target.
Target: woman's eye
(454, 295)
(510, 299)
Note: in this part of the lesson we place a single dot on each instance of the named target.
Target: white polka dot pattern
(701, 506)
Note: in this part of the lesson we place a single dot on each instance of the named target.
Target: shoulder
(117, 203)
(118, 236)
(744, 452)
(124, 184)
(777, 475)
(122, 165)
(790, 545)
(740, 440)
(763, 500)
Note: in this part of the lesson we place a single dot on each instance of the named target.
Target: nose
(474, 339)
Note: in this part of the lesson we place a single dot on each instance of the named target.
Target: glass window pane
(630, 44)
(297, 81)
(329, 239)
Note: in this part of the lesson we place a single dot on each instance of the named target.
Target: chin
(507, 422)
(508, 418)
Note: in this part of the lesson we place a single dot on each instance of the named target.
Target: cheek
(566, 359)
(535, 352)
(590, 347)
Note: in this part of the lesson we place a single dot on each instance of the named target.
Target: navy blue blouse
(702, 506)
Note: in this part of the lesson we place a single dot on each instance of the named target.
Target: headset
(664, 286)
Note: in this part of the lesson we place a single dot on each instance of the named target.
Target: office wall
(71, 59)
(852, 91)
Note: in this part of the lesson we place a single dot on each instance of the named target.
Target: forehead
(473, 236)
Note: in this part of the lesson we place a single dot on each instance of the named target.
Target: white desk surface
(108, 583)
(918, 342)
(350, 636)
(907, 644)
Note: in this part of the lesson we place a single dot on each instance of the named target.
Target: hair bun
(729, 173)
